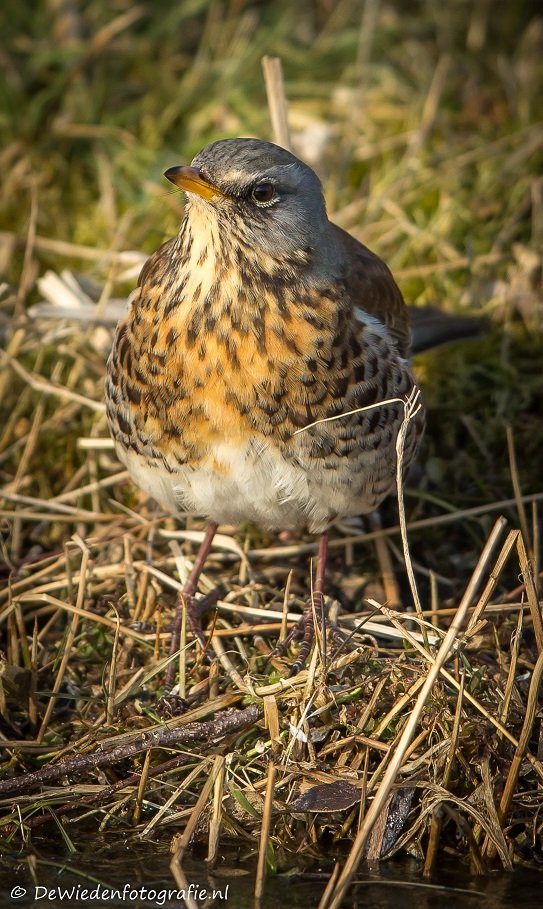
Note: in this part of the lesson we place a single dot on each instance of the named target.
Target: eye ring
(264, 194)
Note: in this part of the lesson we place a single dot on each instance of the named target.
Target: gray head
(260, 191)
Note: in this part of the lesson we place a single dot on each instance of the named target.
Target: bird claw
(303, 630)
(194, 610)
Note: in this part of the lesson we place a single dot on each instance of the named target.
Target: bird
(261, 372)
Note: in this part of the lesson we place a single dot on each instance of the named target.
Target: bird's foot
(313, 613)
(304, 631)
(194, 610)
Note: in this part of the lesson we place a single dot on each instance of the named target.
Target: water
(114, 871)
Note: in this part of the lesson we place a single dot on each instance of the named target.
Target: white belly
(252, 484)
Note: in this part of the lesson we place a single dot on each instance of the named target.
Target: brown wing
(372, 288)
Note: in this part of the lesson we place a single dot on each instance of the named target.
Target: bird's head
(259, 193)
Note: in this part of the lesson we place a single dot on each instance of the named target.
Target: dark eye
(263, 193)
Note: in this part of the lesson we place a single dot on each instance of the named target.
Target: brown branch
(224, 724)
(107, 792)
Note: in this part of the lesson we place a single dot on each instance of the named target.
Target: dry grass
(423, 734)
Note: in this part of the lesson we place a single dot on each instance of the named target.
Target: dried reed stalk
(357, 849)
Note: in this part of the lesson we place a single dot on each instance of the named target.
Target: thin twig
(265, 832)
(277, 103)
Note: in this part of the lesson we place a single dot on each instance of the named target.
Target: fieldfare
(248, 331)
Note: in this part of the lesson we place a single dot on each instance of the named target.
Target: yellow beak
(190, 180)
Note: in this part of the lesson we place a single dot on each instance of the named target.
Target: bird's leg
(305, 626)
(313, 608)
(186, 601)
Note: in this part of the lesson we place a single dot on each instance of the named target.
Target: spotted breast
(252, 325)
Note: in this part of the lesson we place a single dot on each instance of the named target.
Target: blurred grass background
(423, 119)
(426, 117)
